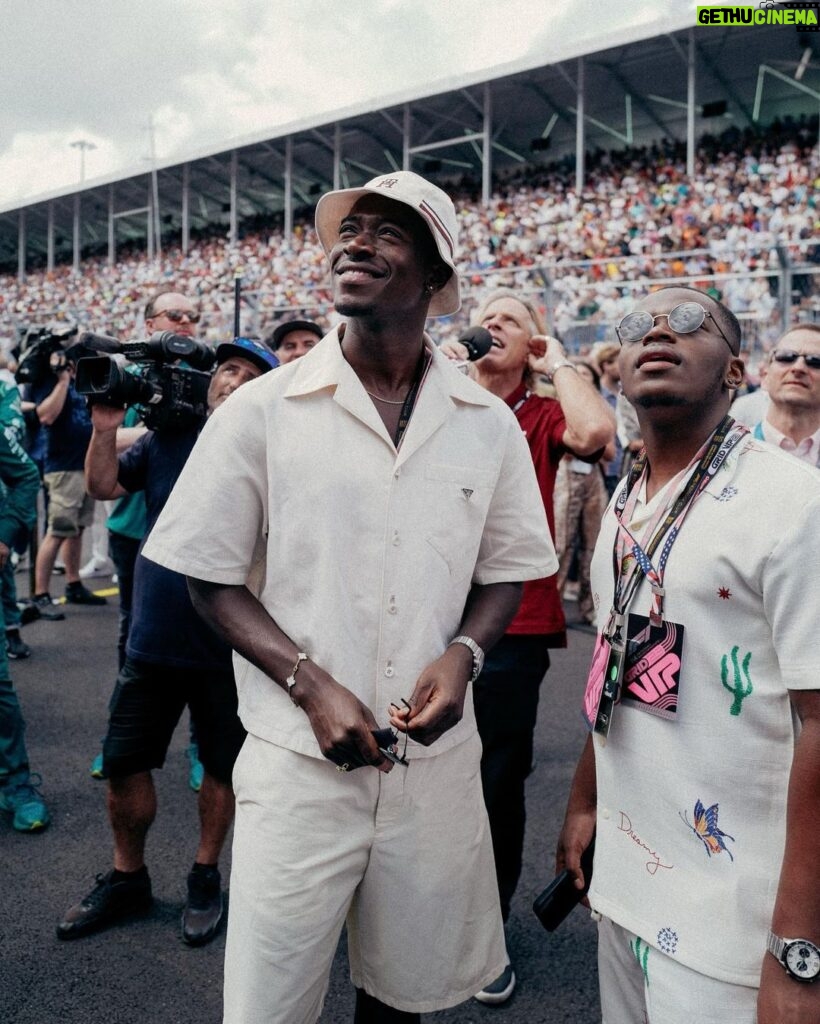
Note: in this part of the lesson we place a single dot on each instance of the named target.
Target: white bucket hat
(434, 205)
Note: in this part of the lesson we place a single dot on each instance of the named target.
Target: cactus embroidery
(741, 685)
(640, 950)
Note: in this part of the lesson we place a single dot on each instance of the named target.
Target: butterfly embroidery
(705, 827)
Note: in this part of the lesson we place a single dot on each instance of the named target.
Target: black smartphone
(561, 896)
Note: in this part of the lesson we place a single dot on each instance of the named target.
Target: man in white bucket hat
(359, 572)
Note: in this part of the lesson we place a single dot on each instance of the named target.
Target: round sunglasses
(685, 318)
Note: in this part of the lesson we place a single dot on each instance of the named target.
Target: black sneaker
(76, 593)
(15, 648)
(204, 907)
(112, 899)
(46, 607)
(500, 990)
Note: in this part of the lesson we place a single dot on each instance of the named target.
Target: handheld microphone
(478, 341)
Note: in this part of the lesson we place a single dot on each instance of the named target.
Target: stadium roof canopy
(673, 79)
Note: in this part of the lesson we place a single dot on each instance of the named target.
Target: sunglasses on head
(685, 318)
(176, 315)
(786, 355)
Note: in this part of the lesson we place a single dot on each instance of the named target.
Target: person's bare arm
(579, 818)
(101, 462)
(590, 421)
(437, 700)
(782, 1000)
(52, 405)
(341, 723)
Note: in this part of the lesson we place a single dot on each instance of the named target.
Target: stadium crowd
(472, 535)
(638, 218)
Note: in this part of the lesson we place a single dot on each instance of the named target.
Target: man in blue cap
(172, 659)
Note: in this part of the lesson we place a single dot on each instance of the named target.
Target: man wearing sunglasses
(701, 777)
(360, 570)
(168, 310)
(792, 420)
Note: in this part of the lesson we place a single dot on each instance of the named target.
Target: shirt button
(389, 670)
(391, 607)
(397, 474)
(605, 814)
(395, 538)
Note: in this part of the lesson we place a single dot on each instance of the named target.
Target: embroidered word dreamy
(654, 861)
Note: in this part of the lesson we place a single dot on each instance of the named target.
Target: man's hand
(341, 724)
(457, 353)
(437, 701)
(545, 352)
(782, 1000)
(576, 835)
(105, 417)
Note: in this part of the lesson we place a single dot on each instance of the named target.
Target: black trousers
(506, 706)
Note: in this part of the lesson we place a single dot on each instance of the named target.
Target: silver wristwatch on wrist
(800, 958)
(478, 654)
(550, 374)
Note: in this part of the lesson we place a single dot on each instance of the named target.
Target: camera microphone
(99, 342)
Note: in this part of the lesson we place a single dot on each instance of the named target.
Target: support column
(337, 156)
(21, 246)
(233, 232)
(112, 250)
(288, 190)
(579, 130)
(76, 260)
(50, 238)
(690, 108)
(186, 207)
(405, 143)
(487, 146)
(149, 210)
(157, 227)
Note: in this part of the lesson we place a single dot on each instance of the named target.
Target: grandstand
(579, 179)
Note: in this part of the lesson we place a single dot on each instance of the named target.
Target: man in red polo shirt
(506, 693)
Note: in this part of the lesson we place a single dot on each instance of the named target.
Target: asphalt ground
(141, 972)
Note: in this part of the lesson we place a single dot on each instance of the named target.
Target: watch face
(802, 959)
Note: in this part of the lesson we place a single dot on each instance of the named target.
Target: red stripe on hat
(431, 213)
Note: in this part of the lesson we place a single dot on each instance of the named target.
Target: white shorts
(405, 859)
(642, 985)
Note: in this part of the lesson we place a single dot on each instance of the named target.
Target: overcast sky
(206, 71)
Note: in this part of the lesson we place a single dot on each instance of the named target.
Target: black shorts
(146, 706)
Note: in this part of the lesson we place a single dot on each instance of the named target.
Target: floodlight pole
(579, 129)
(690, 108)
(487, 150)
(83, 145)
(50, 238)
(21, 245)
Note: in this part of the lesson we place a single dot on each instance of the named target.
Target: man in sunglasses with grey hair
(792, 420)
(700, 780)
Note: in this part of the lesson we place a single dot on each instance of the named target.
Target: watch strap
(475, 650)
(550, 375)
(775, 945)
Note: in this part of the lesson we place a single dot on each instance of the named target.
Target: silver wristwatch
(800, 958)
(550, 374)
(478, 654)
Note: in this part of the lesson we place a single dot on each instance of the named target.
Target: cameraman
(64, 415)
(172, 659)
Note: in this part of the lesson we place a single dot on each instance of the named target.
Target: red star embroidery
(724, 593)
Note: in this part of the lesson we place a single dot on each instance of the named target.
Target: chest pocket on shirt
(459, 497)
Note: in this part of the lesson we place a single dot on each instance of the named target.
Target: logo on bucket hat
(428, 200)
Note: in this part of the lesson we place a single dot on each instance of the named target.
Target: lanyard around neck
(665, 525)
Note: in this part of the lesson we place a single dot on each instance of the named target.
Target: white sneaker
(500, 990)
(95, 567)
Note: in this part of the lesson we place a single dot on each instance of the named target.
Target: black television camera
(38, 345)
(169, 396)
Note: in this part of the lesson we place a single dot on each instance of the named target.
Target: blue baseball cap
(247, 348)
